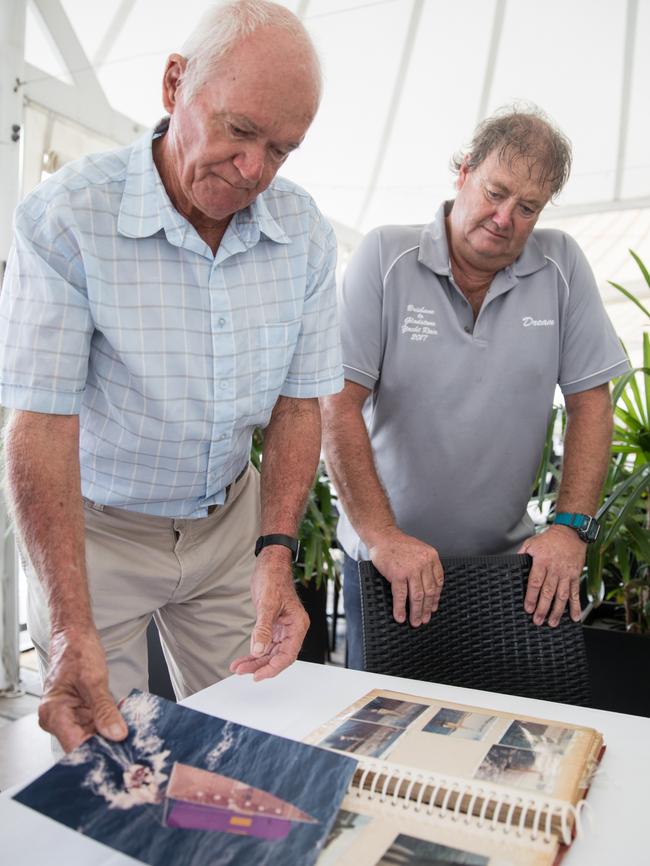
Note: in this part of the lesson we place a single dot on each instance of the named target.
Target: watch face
(591, 531)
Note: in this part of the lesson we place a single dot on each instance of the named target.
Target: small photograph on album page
(451, 722)
(538, 736)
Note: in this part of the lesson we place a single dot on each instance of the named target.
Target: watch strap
(585, 525)
(278, 538)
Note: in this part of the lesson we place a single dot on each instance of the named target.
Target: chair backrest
(480, 637)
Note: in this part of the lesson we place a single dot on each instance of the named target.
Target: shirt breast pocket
(272, 348)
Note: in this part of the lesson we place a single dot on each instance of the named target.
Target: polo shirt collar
(434, 251)
(146, 208)
(531, 259)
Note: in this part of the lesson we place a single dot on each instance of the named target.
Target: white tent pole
(114, 29)
(71, 50)
(301, 11)
(85, 103)
(595, 207)
(400, 78)
(493, 53)
(624, 118)
(12, 43)
(12, 48)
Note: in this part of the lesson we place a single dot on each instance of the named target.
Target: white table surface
(304, 696)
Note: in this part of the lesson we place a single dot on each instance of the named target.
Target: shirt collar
(146, 208)
(434, 250)
(531, 259)
(256, 219)
(140, 214)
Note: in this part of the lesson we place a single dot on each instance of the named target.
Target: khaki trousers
(192, 576)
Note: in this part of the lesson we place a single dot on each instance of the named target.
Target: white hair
(226, 24)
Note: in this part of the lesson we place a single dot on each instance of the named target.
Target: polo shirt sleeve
(361, 306)
(45, 321)
(315, 368)
(591, 351)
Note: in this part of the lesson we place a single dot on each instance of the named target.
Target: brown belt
(213, 508)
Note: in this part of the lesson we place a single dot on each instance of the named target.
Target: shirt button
(223, 384)
(223, 436)
(222, 322)
(467, 329)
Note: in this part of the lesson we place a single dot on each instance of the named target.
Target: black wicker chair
(480, 637)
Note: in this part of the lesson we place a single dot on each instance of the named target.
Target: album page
(530, 756)
(371, 833)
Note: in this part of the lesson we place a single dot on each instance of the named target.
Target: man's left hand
(282, 621)
(558, 559)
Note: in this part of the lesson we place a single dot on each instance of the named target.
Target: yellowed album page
(534, 757)
(369, 833)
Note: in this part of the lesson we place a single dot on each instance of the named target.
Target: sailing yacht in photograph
(200, 800)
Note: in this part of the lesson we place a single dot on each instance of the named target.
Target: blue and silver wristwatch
(586, 526)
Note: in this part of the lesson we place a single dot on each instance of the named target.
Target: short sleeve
(361, 306)
(315, 368)
(591, 351)
(45, 321)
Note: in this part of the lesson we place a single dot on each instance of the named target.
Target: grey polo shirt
(459, 409)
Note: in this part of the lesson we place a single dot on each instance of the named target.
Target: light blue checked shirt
(113, 307)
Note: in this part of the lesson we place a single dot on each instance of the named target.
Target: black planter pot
(315, 646)
(619, 663)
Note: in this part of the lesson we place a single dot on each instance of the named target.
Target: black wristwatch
(587, 527)
(285, 540)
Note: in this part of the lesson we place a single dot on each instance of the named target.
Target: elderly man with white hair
(160, 303)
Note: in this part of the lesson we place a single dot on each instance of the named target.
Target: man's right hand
(76, 701)
(413, 570)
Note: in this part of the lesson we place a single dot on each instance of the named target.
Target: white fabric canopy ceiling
(405, 83)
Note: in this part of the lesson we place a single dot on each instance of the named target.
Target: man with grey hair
(160, 303)
(455, 335)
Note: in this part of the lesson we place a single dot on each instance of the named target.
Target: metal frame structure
(83, 103)
(626, 89)
(12, 45)
(493, 54)
(391, 113)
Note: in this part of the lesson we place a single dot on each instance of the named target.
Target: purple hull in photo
(201, 800)
(191, 816)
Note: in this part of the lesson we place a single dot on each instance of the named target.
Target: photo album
(189, 789)
(440, 783)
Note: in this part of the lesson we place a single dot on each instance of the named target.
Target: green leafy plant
(317, 534)
(318, 527)
(618, 565)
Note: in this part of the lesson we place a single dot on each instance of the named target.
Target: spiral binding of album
(493, 807)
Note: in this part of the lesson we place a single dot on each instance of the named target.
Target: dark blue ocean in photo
(114, 792)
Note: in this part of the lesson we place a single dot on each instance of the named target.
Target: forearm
(351, 466)
(289, 463)
(587, 445)
(43, 482)
(558, 553)
(411, 567)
